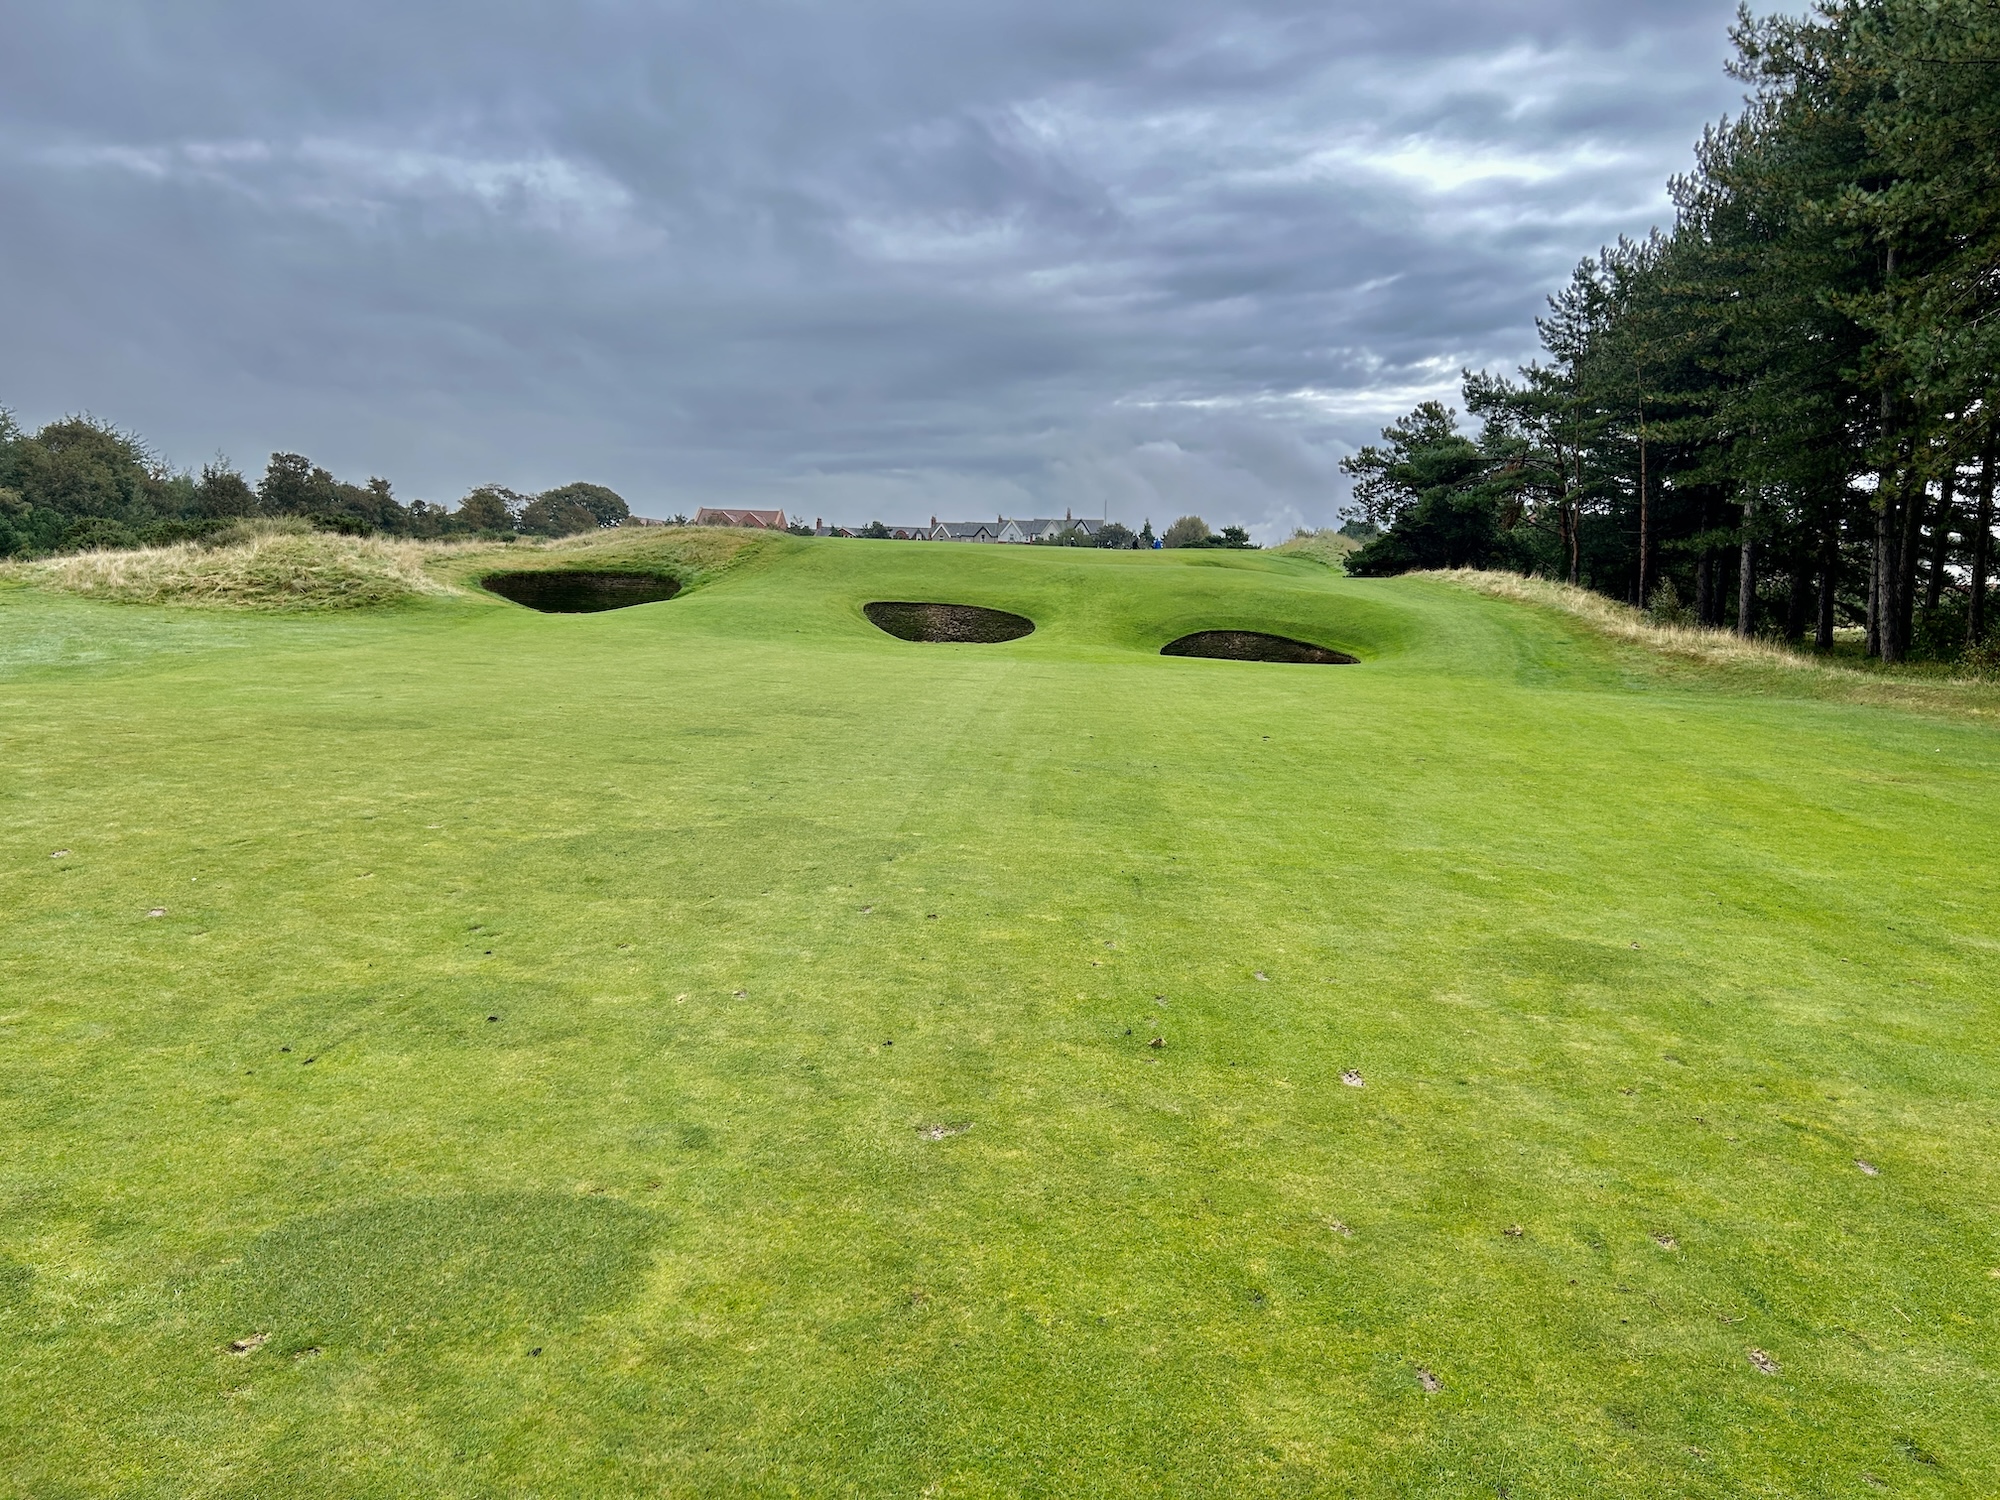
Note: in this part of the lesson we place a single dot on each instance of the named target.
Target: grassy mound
(723, 1050)
(274, 570)
(1324, 546)
(288, 568)
(1723, 652)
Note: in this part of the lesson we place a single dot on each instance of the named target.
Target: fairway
(716, 1047)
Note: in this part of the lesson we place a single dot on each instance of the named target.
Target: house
(1048, 529)
(965, 531)
(763, 520)
(1018, 532)
(896, 533)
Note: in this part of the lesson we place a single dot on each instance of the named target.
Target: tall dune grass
(1624, 623)
(1921, 686)
(274, 569)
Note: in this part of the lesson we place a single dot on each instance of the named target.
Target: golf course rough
(707, 1049)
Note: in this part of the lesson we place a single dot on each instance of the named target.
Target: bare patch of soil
(967, 624)
(1254, 645)
(1764, 1363)
(249, 1344)
(561, 592)
(944, 1132)
(1353, 1079)
(1427, 1380)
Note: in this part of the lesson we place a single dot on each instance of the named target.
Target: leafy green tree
(1188, 531)
(490, 508)
(606, 507)
(223, 491)
(556, 514)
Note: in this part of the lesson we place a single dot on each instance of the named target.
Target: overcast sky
(889, 258)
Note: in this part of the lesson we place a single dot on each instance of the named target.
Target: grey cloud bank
(877, 260)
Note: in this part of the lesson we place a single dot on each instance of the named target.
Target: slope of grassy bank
(294, 570)
(708, 1048)
(1723, 657)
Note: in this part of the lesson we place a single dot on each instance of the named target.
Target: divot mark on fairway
(1764, 1363)
(1428, 1381)
(943, 1132)
(1868, 1168)
(1353, 1079)
(60, 854)
(158, 911)
(1514, 1231)
(962, 624)
(248, 1344)
(1340, 1229)
(1255, 645)
(560, 593)
(1666, 1241)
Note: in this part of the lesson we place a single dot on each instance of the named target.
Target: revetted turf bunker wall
(1254, 645)
(947, 622)
(575, 593)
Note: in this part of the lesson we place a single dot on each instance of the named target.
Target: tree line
(1779, 415)
(80, 483)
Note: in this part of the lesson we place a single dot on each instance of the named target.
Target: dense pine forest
(1778, 416)
(81, 483)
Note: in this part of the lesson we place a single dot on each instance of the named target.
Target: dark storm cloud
(882, 259)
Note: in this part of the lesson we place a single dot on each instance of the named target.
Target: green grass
(759, 894)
